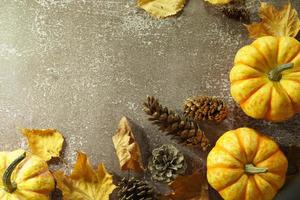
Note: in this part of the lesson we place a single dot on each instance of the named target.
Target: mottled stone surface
(80, 65)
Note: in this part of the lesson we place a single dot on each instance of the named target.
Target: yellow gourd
(246, 165)
(24, 177)
(265, 79)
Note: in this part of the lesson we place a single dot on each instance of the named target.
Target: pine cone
(134, 189)
(166, 163)
(182, 128)
(236, 11)
(205, 108)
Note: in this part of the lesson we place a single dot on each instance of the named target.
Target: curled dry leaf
(85, 183)
(275, 22)
(161, 8)
(191, 187)
(128, 151)
(219, 2)
(45, 143)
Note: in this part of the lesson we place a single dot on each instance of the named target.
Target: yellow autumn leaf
(85, 183)
(191, 187)
(161, 8)
(275, 22)
(219, 2)
(128, 151)
(45, 143)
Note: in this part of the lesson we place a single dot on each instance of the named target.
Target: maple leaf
(191, 187)
(85, 183)
(161, 8)
(45, 143)
(275, 22)
(128, 151)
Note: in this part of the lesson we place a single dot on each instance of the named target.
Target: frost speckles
(74, 142)
(8, 51)
(55, 3)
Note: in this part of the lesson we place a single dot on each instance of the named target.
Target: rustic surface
(80, 65)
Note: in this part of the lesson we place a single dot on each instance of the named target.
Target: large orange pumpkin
(265, 79)
(246, 165)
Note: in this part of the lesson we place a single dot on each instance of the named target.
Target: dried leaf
(45, 143)
(219, 2)
(275, 22)
(161, 8)
(191, 187)
(128, 151)
(85, 183)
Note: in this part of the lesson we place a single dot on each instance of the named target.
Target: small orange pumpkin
(265, 79)
(246, 165)
(24, 177)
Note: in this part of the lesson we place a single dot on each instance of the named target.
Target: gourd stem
(275, 74)
(251, 169)
(6, 179)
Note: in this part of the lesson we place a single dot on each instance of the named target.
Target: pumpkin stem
(275, 74)
(6, 179)
(251, 169)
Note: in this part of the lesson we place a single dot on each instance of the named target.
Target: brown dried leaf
(45, 143)
(275, 22)
(128, 151)
(191, 187)
(85, 182)
(161, 8)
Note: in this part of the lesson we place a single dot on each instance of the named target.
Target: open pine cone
(134, 189)
(166, 163)
(180, 127)
(205, 108)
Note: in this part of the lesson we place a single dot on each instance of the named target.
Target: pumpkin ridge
(269, 108)
(222, 166)
(263, 56)
(295, 56)
(242, 63)
(228, 152)
(274, 186)
(289, 97)
(246, 189)
(231, 183)
(257, 146)
(272, 154)
(40, 173)
(43, 192)
(236, 133)
(277, 50)
(251, 93)
(256, 185)
(245, 79)
(298, 54)
(21, 165)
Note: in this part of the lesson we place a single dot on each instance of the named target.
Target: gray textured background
(80, 65)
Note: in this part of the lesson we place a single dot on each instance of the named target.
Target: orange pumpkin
(265, 79)
(246, 165)
(24, 177)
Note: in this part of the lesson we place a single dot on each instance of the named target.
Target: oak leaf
(190, 187)
(128, 151)
(219, 2)
(161, 8)
(45, 143)
(85, 183)
(275, 22)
